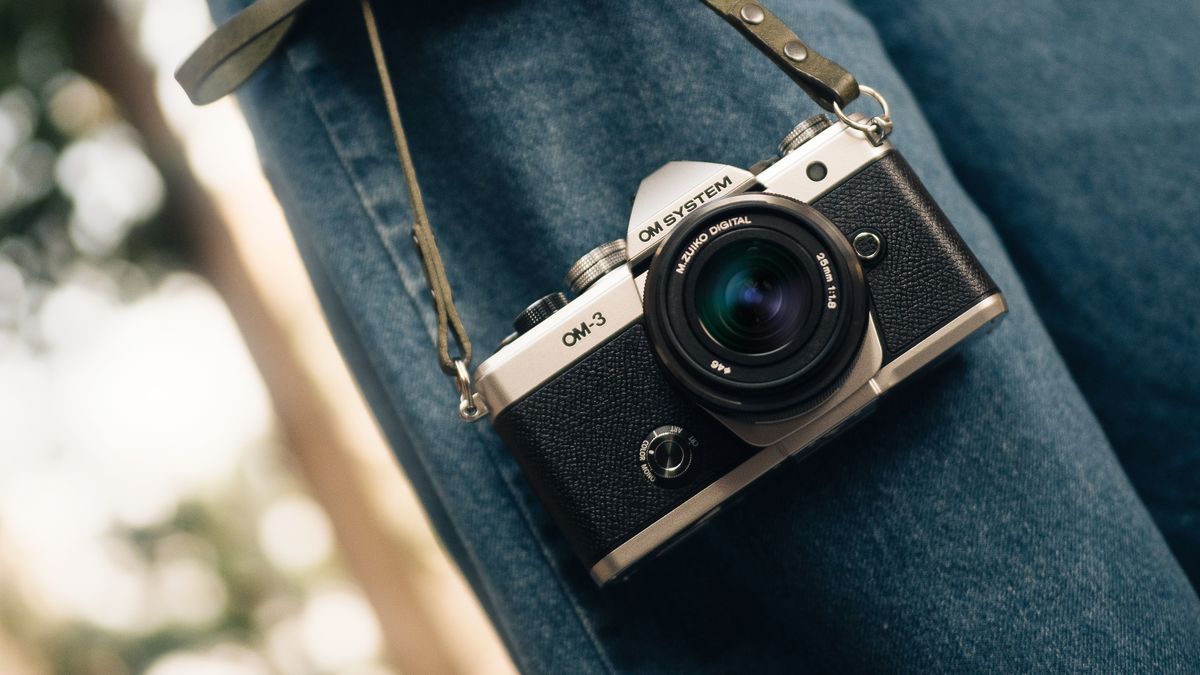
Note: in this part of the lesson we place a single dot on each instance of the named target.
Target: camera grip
(577, 439)
(927, 275)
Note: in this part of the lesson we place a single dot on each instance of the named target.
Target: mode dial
(539, 311)
(803, 132)
(666, 453)
(595, 264)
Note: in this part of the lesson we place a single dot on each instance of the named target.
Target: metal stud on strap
(825, 81)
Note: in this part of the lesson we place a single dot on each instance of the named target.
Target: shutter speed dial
(539, 311)
(595, 264)
(586, 271)
(666, 453)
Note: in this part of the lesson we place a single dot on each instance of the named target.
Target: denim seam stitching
(368, 211)
(547, 554)
(376, 222)
(363, 202)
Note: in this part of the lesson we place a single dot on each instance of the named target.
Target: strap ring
(470, 404)
(878, 127)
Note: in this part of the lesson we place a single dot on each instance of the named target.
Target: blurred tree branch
(307, 424)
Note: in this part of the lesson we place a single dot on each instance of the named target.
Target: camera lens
(753, 296)
(756, 304)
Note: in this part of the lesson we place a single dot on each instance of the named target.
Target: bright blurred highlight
(157, 513)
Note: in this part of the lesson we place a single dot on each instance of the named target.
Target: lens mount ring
(810, 359)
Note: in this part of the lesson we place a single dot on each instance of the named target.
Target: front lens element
(753, 296)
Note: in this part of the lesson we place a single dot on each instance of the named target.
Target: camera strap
(823, 80)
(242, 44)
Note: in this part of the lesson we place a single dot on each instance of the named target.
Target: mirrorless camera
(746, 316)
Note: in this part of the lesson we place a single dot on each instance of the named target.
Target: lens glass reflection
(753, 296)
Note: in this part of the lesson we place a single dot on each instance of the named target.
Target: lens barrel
(757, 305)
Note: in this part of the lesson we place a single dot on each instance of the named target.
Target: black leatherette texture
(577, 439)
(927, 275)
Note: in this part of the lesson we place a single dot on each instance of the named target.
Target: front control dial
(803, 133)
(666, 453)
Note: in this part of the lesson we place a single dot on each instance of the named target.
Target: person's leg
(980, 522)
(1073, 129)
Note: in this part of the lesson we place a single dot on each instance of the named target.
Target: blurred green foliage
(44, 46)
(48, 47)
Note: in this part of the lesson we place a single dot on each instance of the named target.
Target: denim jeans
(1034, 505)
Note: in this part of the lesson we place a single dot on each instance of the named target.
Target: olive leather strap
(239, 46)
(431, 259)
(243, 43)
(237, 49)
(823, 80)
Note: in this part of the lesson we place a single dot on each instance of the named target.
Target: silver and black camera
(747, 316)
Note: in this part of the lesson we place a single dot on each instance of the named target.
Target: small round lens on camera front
(753, 296)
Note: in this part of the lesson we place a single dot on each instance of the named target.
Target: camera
(746, 317)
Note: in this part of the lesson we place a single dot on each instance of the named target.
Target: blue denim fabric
(980, 522)
(1094, 192)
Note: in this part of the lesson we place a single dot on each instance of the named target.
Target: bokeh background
(189, 480)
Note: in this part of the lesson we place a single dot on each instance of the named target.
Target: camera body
(747, 316)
